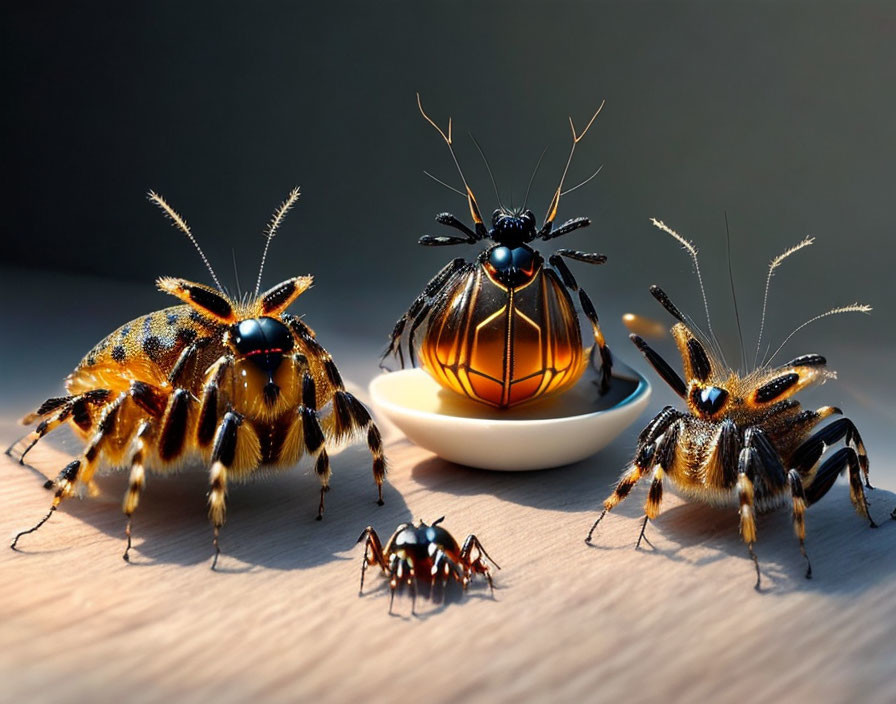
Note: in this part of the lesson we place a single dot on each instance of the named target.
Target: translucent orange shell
(504, 346)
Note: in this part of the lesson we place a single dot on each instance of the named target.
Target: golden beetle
(503, 329)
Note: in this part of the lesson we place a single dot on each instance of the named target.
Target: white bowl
(551, 432)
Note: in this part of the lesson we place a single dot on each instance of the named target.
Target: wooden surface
(282, 620)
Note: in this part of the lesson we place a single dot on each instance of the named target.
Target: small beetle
(423, 551)
(503, 329)
(237, 384)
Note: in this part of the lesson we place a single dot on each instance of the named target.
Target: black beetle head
(513, 226)
(264, 341)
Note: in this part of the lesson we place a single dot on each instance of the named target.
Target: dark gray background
(779, 113)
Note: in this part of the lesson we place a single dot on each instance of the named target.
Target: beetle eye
(709, 400)
(529, 216)
(496, 216)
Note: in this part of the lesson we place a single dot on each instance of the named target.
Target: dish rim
(642, 388)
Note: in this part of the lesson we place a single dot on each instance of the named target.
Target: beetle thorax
(512, 265)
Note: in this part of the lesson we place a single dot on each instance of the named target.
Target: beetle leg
(663, 459)
(188, 354)
(207, 421)
(477, 565)
(430, 292)
(548, 233)
(442, 240)
(45, 427)
(645, 458)
(351, 416)
(236, 447)
(438, 564)
(394, 578)
(587, 257)
(473, 542)
(416, 323)
(798, 499)
(64, 486)
(400, 572)
(653, 503)
(55, 411)
(306, 435)
(606, 359)
(136, 481)
(844, 458)
(660, 423)
(565, 274)
(746, 466)
(314, 438)
(81, 469)
(807, 455)
(659, 446)
(760, 474)
(768, 474)
(373, 553)
(411, 581)
(469, 236)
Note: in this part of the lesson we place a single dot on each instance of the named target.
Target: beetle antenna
(471, 201)
(489, 168)
(236, 274)
(449, 187)
(271, 229)
(579, 185)
(576, 138)
(690, 249)
(181, 225)
(852, 308)
(775, 263)
(740, 334)
(532, 177)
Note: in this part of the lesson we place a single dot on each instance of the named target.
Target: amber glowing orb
(502, 345)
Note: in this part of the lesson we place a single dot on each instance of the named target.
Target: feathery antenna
(181, 225)
(689, 247)
(852, 308)
(775, 263)
(271, 229)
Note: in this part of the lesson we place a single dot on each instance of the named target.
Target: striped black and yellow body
(742, 440)
(235, 385)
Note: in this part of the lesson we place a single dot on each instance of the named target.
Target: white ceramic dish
(553, 432)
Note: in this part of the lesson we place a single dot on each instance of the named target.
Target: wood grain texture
(282, 620)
